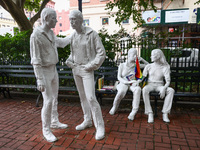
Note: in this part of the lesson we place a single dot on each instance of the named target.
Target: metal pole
(80, 5)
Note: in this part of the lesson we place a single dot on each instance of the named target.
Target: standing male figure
(87, 55)
(44, 57)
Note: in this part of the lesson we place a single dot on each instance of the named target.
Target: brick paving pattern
(20, 129)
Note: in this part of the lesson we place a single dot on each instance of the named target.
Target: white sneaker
(132, 115)
(49, 137)
(100, 133)
(84, 125)
(58, 125)
(165, 118)
(150, 118)
(112, 111)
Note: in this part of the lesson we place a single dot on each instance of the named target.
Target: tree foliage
(130, 9)
(17, 10)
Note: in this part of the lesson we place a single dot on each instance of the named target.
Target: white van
(190, 57)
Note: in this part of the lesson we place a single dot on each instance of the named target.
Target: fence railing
(179, 54)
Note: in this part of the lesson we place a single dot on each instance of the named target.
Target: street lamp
(80, 5)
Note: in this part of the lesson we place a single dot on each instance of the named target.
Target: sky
(61, 4)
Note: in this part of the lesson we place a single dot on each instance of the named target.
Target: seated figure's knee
(138, 89)
(170, 90)
(145, 90)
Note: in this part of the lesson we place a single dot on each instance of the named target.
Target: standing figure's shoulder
(89, 30)
(36, 32)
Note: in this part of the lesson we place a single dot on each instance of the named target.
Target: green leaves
(129, 9)
(32, 5)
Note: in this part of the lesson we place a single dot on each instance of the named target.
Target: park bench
(185, 83)
(18, 77)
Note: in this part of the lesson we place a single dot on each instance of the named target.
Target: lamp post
(80, 5)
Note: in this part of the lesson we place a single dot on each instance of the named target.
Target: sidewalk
(20, 128)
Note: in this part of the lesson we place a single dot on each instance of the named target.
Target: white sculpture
(87, 54)
(128, 69)
(157, 72)
(44, 57)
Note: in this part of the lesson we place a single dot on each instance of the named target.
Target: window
(85, 1)
(104, 21)
(60, 17)
(103, 0)
(60, 24)
(126, 21)
(86, 22)
(60, 30)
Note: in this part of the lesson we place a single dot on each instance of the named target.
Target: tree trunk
(16, 9)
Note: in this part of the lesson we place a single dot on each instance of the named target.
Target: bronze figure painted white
(124, 70)
(87, 55)
(158, 74)
(44, 57)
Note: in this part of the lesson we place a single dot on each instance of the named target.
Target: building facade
(6, 20)
(177, 19)
(96, 17)
(63, 24)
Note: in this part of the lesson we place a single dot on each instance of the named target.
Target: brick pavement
(20, 128)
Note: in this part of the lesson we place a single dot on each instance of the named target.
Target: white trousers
(86, 88)
(49, 112)
(169, 95)
(121, 92)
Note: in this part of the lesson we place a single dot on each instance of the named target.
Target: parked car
(188, 57)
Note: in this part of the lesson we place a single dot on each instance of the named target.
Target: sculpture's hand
(40, 85)
(88, 67)
(162, 92)
(70, 64)
(140, 58)
(138, 82)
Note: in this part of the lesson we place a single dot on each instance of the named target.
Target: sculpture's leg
(167, 104)
(55, 123)
(46, 113)
(84, 104)
(136, 101)
(148, 110)
(121, 92)
(88, 82)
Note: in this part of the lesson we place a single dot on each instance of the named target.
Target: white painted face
(154, 56)
(52, 20)
(75, 21)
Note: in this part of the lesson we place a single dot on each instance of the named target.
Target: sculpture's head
(132, 54)
(158, 55)
(49, 17)
(76, 19)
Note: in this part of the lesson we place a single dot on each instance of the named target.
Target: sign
(193, 15)
(151, 17)
(198, 15)
(177, 16)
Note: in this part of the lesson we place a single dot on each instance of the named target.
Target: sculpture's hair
(162, 56)
(78, 14)
(132, 50)
(45, 13)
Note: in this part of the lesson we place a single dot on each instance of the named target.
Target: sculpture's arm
(144, 62)
(36, 62)
(100, 53)
(121, 78)
(62, 42)
(167, 78)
